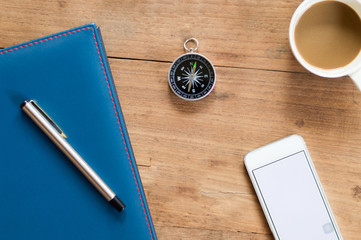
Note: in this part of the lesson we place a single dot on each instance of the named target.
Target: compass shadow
(189, 106)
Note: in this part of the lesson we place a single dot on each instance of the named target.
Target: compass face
(192, 76)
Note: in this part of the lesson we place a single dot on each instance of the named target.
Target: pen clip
(48, 118)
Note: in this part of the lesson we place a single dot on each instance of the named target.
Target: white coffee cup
(353, 69)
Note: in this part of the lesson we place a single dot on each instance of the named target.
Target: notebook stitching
(111, 95)
(44, 40)
(121, 131)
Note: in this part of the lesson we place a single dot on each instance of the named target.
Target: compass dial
(192, 76)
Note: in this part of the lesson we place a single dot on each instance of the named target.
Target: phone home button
(327, 228)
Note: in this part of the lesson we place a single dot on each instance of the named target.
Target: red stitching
(46, 39)
(121, 131)
(111, 95)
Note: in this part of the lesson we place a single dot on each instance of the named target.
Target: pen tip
(119, 205)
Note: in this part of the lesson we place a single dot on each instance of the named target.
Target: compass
(192, 76)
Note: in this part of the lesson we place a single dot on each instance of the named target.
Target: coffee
(328, 35)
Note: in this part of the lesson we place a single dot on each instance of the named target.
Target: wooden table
(190, 154)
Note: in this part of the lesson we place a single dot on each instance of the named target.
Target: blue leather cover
(42, 195)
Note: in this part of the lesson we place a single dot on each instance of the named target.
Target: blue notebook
(43, 196)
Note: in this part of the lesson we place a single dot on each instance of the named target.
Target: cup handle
(356, 77)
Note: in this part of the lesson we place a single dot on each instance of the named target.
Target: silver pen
(58, 137)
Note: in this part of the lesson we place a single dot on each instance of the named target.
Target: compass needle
(192, 76)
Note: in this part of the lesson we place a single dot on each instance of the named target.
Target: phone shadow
(254, 199)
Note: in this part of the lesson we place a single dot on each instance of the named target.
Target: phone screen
(293, 199)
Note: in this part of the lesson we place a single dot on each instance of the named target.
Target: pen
(58, 137)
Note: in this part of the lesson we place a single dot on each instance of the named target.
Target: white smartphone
(290, 192)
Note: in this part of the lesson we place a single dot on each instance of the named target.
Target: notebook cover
(43, 196)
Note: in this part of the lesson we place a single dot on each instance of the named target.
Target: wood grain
(190, 155)
(182, 233)
(194, 152)
(231, 33)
